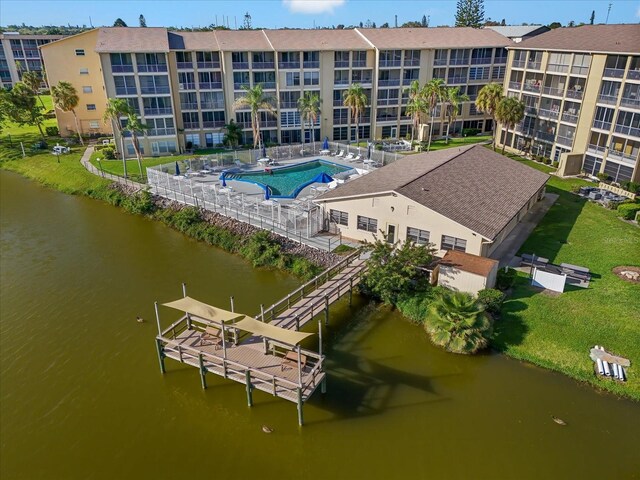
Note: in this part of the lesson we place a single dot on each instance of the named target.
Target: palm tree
(458, 323)
(65, 98)
(509, 112)
(355, 98)
(487, 102)
(416, 105)
(256, 100)
(309, 108)
(117, 108)
(33, 80)
(451, 106)
(234, 132)
(433, 92)
(135, 127)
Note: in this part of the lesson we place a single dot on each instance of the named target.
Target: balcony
(389, 82)
(208, 65)
(411, 62)
(289, 65)
(387, 101)
(518, 64)
(187, 86)
(633, 74)
(558, 68)
(566, 141)
(148, 112)
(481, 61)
(614, 72)
(595, 148)
(627, 130)
(458, 79)
(532, 87)
(341, 81)
(188, 106)
(267, 85)
(268, 123)
(240, 65)
(152, 67)
(408, 81)
(439, 62)
(623, 157)
(573, 93)
(341, 64)
(390, 63)
(263, 65)
(387, 118)
(239, 85)
(213, 124)
(211, 85)
(556, 92)
(549, 113)
(184, 65)
(154, 90)
(191, 125)
(630, 102)
(293, 104)
(121, 68)
(500, 60)
(570, 118)
(311, 64)
(600, 125)
(359, 64)
(608, 99)
(532, 111)
(340, 121)
(212, 105)
(126, 91)
(459, 61)
(533, 65)
(515, 85)
(159, 132)
(546, 136)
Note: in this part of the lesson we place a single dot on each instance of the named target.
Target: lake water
(81, 395)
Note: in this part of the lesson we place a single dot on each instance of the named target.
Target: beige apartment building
(581, 88)
(72, 59)
(19, 54)
(184, 84)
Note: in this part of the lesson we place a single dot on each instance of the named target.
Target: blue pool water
(288, 181)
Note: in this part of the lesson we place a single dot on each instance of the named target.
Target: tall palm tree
(433, 92)
(256, 100)
(416, 105)
(451, 106)
(33, 80)
(309, 108)
(355, 98)
(487, 102)
(458, 323)
(65, 98)
(509, 112)
(136, 127)
(116, 109)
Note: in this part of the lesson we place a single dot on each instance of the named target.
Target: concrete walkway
(101, 173)
(507, 250)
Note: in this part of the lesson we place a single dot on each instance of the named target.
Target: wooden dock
(257, 361)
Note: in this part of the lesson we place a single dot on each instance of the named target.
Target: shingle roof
(587, 38)
(203, 41)
(283, 40)
(474, 186)
(124, 39)
(468, 262)
(243, 40)
(442, 37)
(518, 31)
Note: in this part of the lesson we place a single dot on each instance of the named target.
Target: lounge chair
(290, 360)
(349, 156)
(335, 153)
(211, 336)
(340, 154)
(357, 158)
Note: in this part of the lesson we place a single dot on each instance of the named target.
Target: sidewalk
(91, 169)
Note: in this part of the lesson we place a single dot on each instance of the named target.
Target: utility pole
(608, 12)
(396, 23)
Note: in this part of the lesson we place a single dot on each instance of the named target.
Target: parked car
(60, 149)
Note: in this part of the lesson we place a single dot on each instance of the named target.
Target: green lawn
(458, 142)
(557, 331)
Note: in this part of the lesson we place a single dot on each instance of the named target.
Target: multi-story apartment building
(19, 53)
(581, 88)
(184, 84)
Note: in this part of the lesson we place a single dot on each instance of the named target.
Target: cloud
(312, 6)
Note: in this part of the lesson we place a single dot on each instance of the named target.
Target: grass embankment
(557, 331)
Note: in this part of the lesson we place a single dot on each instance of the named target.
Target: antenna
(247, 21)
(396, 21)
(90, 21)
(608, 12)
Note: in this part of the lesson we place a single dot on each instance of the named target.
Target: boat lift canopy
(202, 310)
(290, 337)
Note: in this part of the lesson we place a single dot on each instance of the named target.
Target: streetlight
(100, 165)
(57, 154)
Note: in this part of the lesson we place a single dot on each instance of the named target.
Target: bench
(290, 360)
(211, 336)
(533, 260)
(576, 271)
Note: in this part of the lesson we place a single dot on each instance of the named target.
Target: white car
(59, 149)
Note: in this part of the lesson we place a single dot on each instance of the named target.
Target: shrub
(185, 218)
(632, 187)
(603, 177)
(555, 164)
(52, 131)
(303, 268)
(261, 251)
(344, 248)
(506, 279)
(109, 153)
(470, 132)
(576, 188)
(547, 161)
(415, 307)
(491, 299)
(628, 210)
(141, 203)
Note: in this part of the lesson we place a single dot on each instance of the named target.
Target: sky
(303, 13)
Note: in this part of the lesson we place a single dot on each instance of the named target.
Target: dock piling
(184, 294)
(203, 371)
(160, 355)
(248, 385)
(300, 417)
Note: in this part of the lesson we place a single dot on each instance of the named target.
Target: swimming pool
(287, 181)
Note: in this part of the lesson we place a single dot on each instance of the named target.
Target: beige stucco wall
(62, 64)
(570, 164)
(461, 281)
(397, 210)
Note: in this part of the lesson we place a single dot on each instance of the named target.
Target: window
(340, 133)
(479, 73)
(121, 62)
(359, 58)
(603, 118)
(94, 124)
(453, 243)
(289, 119)
(559, 62)
(166, 146)
(87, 89)
(581, 64)
(132, 151)
(498, 72)
(293, 79)
(125, 84)
(311, 78)
(194, 138)
(91, 106)
(190, 120)
(367, 224)
(341, 218)
(341, 59)
(417, 236)
(84, 71)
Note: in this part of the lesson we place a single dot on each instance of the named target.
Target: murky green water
(82, 397)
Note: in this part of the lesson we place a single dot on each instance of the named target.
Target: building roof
(296, 40)
(243, 40)
(468, 262)
(473, 186)
(587, 38)
(441, 37)
(519, 31)
(201, 41)
(125, 39)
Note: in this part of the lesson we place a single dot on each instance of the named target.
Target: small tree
(116, 109)
(65, 98)
(21, 107)
(509, 112)
(309, 108)
(470, 13)
(487, 102)
(356, 100)
(233, 135)
(451, 106)
(143, 22)
(33, 80)
(458, 323)
(424, 21)
(119, 23)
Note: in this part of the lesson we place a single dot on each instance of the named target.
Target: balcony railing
(153, 90)
(570, 118)
(549, 113)
(532, 87)
(205, 65)
(158, 111)
(390, 63)
(518, 64)
(212, 105)
(411, 62)
(211, 85)
(213, 124)
(533, 65)
(184, 65)
(515, 85)
(187, 86)
(439, 61)
(341, 64)
(544, 136)
(239, 85)
(152, 67)
(558, 68)
(408, 81)
(267, 85)
(595, 148)
(480, 61)
(121, 68)
(627, 130)
(457, 79)
(189, 106)
(529, 110)
(191, 125)
(158, 132)
(459, 61)
(338, 103)
(388, 101)
(126, 91)
(557, 92)
(573, 93)
(566, 141)
(387, 118)
(500, 60)
(622, 156)
(599, 124)
(633, 74)
(269, 123)
(240, 65)
(341, 81)
(311, 64)
(340, 121)
(263, 65)
(289, 65)
(364, 82)
(389, 82)
(290, 104)
(359, 64)
(608, 99)
(630, 102)
(614, 72)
